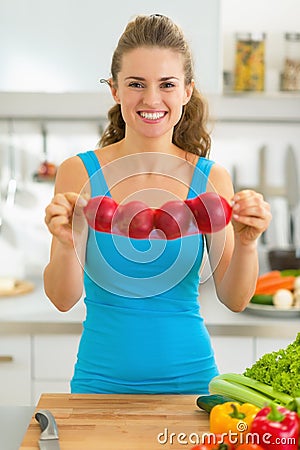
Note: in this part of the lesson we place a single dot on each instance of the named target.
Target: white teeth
(152, 116)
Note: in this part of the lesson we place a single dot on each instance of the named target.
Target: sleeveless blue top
(143, 332)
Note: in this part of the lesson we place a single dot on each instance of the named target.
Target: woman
(143, 332)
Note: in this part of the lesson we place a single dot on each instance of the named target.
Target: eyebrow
(143, 79)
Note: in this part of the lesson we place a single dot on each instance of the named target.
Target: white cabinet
(54, 356)
(15, 370)
(268, 345)
(31, 365)
(233, 354)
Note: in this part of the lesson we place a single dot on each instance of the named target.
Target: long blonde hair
(160, 31)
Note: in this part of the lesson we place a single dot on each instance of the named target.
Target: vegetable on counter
(279, 369)
(247, 390)
(262, 299)
(271, 282)
(276, 427)
(249, 447)
(288, 272)
(214, 441)
(207, 402)
(278, 288)
(232, 417)
(283, 299)
(294, 405)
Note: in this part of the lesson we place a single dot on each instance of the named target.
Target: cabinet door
(233, 354)
(47, 386)
(15, 370)
(54, 356)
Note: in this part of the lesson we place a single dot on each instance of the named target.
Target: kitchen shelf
(277, 107)
(45, 107)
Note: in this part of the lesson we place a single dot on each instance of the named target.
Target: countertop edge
(269, 330)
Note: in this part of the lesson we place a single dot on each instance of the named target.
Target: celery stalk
(238, 392)
(260, 387)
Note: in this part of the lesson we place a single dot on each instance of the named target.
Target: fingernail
(81, 202)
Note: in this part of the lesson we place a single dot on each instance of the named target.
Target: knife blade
(49, 439)
(292, 189)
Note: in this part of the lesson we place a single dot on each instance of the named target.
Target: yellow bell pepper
(232, 416)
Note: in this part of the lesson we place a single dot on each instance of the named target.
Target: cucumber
(207, 402)
(262, 299)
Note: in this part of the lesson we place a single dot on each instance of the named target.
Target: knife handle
(47, 424)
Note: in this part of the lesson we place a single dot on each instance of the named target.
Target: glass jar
(250, 62)
(291, 68)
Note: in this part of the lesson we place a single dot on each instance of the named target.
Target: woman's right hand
(65, 218)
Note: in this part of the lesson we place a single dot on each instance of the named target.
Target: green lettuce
(279, 369)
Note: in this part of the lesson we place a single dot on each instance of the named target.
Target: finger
(54, 210)
(245, 203)
(247, 193)
(258, 211)
(79, 206)
(76, 199)
(255, 222)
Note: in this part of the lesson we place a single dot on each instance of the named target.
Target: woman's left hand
(251, 215)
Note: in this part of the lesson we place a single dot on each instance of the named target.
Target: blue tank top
(143, 332)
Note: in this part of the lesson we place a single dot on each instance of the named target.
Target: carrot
(269, 275)
(270, 286)
(267, 278)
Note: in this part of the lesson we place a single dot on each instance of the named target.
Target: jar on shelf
(290, 80)
(250, 62)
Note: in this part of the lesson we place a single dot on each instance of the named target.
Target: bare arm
(233, 251)
(63, 276)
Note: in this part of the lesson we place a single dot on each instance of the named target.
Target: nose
(152, 96)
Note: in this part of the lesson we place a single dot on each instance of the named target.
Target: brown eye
(135, 84)
(168, 85)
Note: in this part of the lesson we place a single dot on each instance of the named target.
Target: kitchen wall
(235, 145)
(64, 45)
(274, 17)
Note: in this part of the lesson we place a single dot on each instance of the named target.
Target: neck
(136, 143)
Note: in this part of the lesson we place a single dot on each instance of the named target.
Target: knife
(292, 190)
(49, 436)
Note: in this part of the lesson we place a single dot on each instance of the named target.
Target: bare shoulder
(71, 176)
(220, 181)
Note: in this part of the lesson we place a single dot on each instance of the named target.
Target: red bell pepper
(249, 447)
(276, 427)
(215, 441)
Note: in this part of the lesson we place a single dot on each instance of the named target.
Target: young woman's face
(151, 90)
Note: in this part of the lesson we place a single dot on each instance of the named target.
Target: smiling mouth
(152, 116)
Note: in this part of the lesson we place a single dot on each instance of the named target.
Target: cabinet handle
(6, 358)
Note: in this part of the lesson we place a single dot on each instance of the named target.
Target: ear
(188, 92)
(114, 91)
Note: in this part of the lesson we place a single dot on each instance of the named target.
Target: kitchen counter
(130, 422)
(33, 313)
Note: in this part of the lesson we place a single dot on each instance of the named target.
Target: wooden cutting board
(20, 287)
(127, 422)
